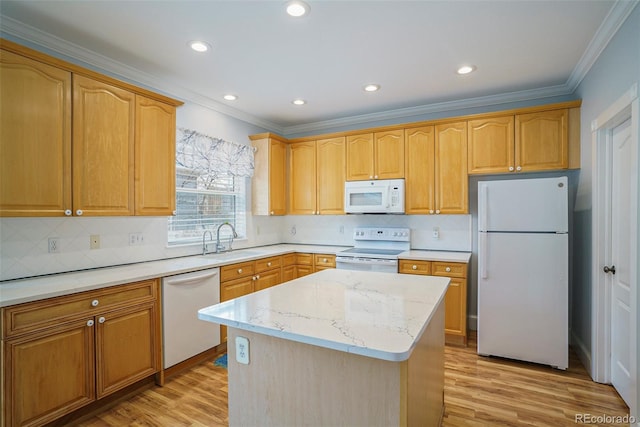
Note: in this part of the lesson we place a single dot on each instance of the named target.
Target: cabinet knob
(324, 260)
(257, 276)
(95, 302)
(414, 267)
(79, 212)
(519, 168)
(511, 168)
(431, 211)
(370, 176)
(271, 213)
(448, 269)
(269, 264)
(68, 212)
(239, 271)
(89, 322)
(174, 213)
(376, 177)
(437, 211)
(101, 319)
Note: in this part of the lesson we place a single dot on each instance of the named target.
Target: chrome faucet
(219, 247)
(204, 245)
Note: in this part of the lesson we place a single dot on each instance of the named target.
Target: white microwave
(384, 196)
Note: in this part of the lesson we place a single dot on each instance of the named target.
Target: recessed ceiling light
(466, 69)
(199, 46)
(297, 8)
(230, 97)
(298, 102)
(371, 88)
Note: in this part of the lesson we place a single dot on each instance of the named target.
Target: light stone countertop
(378, 315)
(32, 289)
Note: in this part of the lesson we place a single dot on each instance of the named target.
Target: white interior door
(623, 334)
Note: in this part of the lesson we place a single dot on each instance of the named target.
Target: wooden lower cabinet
(85, 355)
(455, 323)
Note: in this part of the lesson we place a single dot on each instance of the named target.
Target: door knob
(608, 269)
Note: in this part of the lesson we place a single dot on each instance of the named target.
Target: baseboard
(472, 322)
(584, 354)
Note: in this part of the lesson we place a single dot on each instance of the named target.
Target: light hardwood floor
(479, 391)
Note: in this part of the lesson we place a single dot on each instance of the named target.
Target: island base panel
(290, 383)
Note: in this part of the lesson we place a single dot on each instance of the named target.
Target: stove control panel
(389, 234)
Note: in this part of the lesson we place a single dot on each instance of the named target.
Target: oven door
(367, 264)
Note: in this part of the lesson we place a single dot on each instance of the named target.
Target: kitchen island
(337, 347)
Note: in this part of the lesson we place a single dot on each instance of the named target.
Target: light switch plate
(242, 350)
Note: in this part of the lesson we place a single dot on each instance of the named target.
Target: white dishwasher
(184, 335)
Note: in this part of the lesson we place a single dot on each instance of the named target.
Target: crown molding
(609, 27)
(72, 52)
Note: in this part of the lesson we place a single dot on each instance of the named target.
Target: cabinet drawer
(449, 269)
(268, 263)
(304, 259)
(411, 266)
(288, 259)
(235, 271)
(236, 288)
(53, 311)
(325, 260)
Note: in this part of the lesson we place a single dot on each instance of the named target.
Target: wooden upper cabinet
(331, 165)
(389, 154)
(155, 165)
(302, 178)
(542, 141)
(452, 192)
(420, 170)
(103, 148)
(491, 145)
(35, 137)
(360, 157)
(270, 176)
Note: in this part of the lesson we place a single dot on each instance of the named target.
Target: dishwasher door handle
(189, 279)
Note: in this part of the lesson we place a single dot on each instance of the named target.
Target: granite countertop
(379, 315)
(32, 289)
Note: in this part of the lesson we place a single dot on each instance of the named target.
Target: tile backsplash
(24, 241)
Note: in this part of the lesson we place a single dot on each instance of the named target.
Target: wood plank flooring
(479, 391)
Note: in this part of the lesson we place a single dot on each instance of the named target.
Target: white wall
(615, 71)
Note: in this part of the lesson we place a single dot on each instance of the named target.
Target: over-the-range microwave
(384, 196)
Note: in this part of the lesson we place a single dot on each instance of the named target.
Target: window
(206, 195)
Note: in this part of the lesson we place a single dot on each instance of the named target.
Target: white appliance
(184, 335)
(375, 249)
(380, 196)
(523, 250)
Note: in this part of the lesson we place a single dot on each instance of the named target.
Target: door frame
(625, 108)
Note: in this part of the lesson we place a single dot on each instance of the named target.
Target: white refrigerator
(523, 253)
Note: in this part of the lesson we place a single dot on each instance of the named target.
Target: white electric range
(375, 249)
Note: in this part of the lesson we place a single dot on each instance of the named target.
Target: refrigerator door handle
(482, 248)
(483, 211)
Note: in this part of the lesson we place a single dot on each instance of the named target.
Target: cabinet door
(455, 319)
(103, 148)
(331, 165)
(491, 145)
(419, 170)
(360, 155)
(126, 347)
(389, 154)
(155, 158)
(233, 289)
(451, 168)
(303, 270)
(277, 178)
(35, 138)
(288, 273)
(48, 374)
(542, 141)
(302, 178)
(267, 279)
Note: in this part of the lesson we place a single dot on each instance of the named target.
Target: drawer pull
(269, 264)
(414, 267)
(257, 276)
(95, 302)
(239, 271)
(90, 323)
(448, 269)
(101, 319)
(324, 260)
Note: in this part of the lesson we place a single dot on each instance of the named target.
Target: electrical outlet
(242, 350)
(436, 232)
(54, 245)
(136, 239)
(94, 241)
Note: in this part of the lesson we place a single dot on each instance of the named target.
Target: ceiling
(522, 50)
